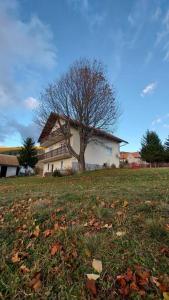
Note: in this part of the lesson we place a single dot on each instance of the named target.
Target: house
(103, 148)
(131, 158)
(9, 165)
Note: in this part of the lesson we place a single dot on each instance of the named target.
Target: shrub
(56, 173)
(69, 172)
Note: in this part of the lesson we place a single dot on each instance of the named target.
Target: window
(61, 164)
(52, 166)
(48, 167)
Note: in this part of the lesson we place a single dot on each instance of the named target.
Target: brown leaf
(16, 258)
(36, 232)
(48, 232)
(134, 287)
(55, 248)
(24, 269)
(91, 286)
(36, 282)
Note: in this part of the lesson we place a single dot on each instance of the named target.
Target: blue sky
(40, 39)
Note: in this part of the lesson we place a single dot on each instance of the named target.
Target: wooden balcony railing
(54, 134)
(54, 153)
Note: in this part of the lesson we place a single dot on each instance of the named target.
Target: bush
(69, 172)
(56, 173)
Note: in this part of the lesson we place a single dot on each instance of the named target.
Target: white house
(9, 165)
(103, 148)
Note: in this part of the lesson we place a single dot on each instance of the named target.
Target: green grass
(96, 198)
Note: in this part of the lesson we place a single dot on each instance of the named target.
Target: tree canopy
(152, 149)
(28, 153)
(82, 94)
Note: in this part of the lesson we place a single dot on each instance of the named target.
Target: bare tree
(84, 95)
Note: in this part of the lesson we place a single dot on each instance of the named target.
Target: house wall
(98, 151)
(58, 164)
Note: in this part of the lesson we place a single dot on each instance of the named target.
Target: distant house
(131, 158)
(102, 149)
(9, 165)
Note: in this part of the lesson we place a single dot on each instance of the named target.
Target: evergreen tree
(28, 153)
(152, 149)
(166, 149)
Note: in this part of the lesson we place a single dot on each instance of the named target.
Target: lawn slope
(51, 229)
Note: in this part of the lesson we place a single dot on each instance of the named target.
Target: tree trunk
(81, 163)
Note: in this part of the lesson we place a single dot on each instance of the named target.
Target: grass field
(51, 229)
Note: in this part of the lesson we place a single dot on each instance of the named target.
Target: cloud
(157, 14)
(31, 103)
(25, 46)
(160, 120)
(162, 39)
(10, 127)
(149, 89)
(93, 17)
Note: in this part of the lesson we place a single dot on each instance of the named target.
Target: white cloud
(31, 103)
(25, 46)
(94, 18)
(162, 38)
(10, 127)
(157, 14)
(160, 121)
(156, 121)
(149, 89)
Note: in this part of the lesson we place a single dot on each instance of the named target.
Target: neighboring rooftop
(54, 117)
(125, 155)
(8, 160)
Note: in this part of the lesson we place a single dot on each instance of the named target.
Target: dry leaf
(91, 286)
(92, 276)
(166, 296)
(36, 282)
(16, 258)
(120, 233)
(47, 232)
(97, 265)
(36, 232)
(55, 248)
(24, 269)
(125, 204)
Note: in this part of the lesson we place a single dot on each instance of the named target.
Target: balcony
(54, 137)
(56, 154)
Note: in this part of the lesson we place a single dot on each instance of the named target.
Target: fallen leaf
(166, 296)
(120, 233)
(97, 265)
(36, 282)
(47, 232)
(24, 269)
(125, 204)
(92, 276)
(91, 286)
(16, 258)
(55, 248)
(36, 232)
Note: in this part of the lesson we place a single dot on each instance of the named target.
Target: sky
(40, 39)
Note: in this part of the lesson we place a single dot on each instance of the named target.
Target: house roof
(53, 118)
(8, 160)
(125, 155)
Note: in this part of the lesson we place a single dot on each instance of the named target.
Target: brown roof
(53, 118)
(8, 160)
(125, 155)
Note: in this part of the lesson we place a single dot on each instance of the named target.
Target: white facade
(100, 151)
(10, 171)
